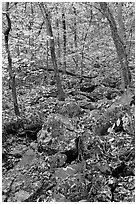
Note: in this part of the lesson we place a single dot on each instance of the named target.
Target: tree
(64, 38)
(75, 34)
(84, 40)
(122, 33)
(10, 70)
(120, 48)
(46, 15)
(121, 29)
(58, 35)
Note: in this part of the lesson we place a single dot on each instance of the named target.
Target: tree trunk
(120, 48)
(84, 41)
(122, 33)
(64, 39)
(46, 16)
(75, 35)
(58, 38)
(11, 73)
(47, 54)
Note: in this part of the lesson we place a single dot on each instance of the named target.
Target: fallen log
(67, 72)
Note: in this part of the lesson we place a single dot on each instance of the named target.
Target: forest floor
(81, 149)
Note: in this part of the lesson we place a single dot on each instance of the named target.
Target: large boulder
(56, 134)
(25, 179)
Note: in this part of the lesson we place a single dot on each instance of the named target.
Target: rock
(18, 150)
(21, 196)
(64, 173)
(57, 131)
(86, 105)
(103, 129)
(29, 152)
(6, 183)
(58, 197)
(28, 158)
(4, 197)
(88, 88)
(42, 134)
(34, 145)
(58, 160)
(70, 170)
(99, 93)
(11, 127)
(26, 178)
(72, 154)
(69, 109)
(95, 113)
(70, 183)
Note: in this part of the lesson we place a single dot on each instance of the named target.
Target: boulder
(56, 134)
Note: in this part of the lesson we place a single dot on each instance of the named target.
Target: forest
(68, 102)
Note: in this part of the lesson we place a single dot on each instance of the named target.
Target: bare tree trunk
(84, 42)
(75, 35)
(64, 39)
(120, 48)
(47, 55)
(46, 16)
(58, 38)
(11, 73)
(122, 34)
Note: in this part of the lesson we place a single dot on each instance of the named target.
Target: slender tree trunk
(11, 73)
(75, 34)
(58, 38)
(46, 16)
(47, 55)
(120, 48)
(64, 39)
(84, 41)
